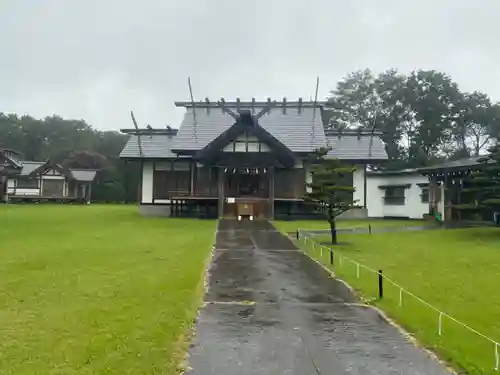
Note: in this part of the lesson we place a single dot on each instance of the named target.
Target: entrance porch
(223, 189)
(246, 193)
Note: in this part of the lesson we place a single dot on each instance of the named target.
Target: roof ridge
(249, 104)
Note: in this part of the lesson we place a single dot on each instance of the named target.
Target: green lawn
(458, 271)
(97, 289)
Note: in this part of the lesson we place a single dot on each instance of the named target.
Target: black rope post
(369, 229)
(297, 234)
(331, 256)
(380, 285)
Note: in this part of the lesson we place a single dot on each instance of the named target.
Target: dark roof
(298, 125)
(356, 146)
(395, 172)
(456, 164)
(394, 186)
(245, 122)
(151, 131)
(13, 157)
(464, 163)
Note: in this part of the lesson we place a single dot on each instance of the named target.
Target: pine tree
(329, 192)
(483, 185)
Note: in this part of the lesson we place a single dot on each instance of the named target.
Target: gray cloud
(98, 59)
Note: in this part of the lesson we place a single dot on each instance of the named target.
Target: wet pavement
(272, 310)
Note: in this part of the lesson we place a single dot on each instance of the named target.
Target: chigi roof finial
(195, 123)
(222, 104)
(207, 102)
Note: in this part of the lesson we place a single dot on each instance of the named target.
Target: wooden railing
(187, 193)
(211, 194)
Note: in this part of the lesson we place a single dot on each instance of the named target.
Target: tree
(419, 114)
(476, 123)
(483, 186)
(433, 99)
(364, 100)
(330, 192)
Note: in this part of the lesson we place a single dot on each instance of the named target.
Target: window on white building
(394, 195)
(424, 196)
(26, 183)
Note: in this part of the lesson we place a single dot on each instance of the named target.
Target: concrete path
(272, 310)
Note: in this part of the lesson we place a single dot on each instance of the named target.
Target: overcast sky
(98, 59)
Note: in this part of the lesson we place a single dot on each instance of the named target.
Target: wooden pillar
(447, 193)
(3, 188)
(125, 182)
(432, 194)
(459, 197)
(140, 183)
(192, 167)
(271, 192)
(176, 178)
(65, 187)
(364, 186)
(210, 187)
(89, 192)
(220, 183)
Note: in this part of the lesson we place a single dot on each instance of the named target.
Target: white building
(397, 194)
(413, 193)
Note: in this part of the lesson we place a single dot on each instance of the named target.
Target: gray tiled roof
(457, 164)
(299, 130)
(87, 175)
(153, 146)
(453, 164)
(83, 174)
(12, 156)
(30, 166)
(350, 147)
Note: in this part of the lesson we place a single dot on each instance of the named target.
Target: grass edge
(181, 352)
